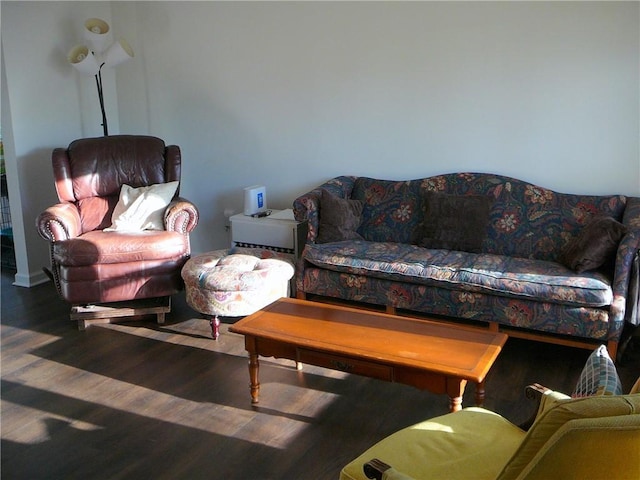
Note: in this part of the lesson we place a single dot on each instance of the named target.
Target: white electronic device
(255, 200)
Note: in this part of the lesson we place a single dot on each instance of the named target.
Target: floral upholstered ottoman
(235, 282)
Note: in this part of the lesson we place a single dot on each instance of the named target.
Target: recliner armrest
(544, 399)
(181, 216)
(59, 222)
(375, 468)
(378, 470)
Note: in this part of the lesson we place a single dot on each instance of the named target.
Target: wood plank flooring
(137, 400)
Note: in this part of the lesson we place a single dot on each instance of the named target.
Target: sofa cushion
(393, 211)
(484, 273)
(339, 218)
(455, 222)
(595, 246)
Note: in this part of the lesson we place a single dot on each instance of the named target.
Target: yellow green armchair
(590, 437)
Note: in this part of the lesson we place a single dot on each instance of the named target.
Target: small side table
(278, 231)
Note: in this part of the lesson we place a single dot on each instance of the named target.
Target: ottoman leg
(215, 327)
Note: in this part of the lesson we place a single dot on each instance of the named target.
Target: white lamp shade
(83, 60)
(119, 52)
(96, 32)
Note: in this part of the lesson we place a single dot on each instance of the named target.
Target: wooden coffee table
(428, 355)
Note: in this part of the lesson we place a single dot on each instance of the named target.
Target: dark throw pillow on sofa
(455, 222)
(595, 245)
(339, 218)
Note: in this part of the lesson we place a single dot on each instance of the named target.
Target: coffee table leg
(254, 367)
(480, 393)
(455, 390)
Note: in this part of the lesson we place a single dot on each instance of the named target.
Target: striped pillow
(599, 376)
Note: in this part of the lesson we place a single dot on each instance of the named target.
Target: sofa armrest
(181, 216)
(627, 251)
(59, 222)
(307, 206)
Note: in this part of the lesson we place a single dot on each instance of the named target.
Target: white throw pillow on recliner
(142, 208)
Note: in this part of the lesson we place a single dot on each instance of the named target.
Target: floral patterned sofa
(516, 278)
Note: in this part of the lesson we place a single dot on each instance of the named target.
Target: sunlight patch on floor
(9, 333)
(119, 397)
(106, 400)
(305, 402)
(37, 426)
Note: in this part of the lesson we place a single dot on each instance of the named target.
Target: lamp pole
(98, 76)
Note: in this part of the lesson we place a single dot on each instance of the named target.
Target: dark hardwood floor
(138, 400)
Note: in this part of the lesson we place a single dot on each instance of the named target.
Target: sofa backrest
(525, 220)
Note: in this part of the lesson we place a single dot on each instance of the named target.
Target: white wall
(290, 94)
(45, 105)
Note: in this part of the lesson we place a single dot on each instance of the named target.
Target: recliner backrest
(554, 419)
(91, 171)
(603, 447)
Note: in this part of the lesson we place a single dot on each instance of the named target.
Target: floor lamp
(89, 60)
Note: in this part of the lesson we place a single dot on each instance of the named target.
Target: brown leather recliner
(92, 266)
